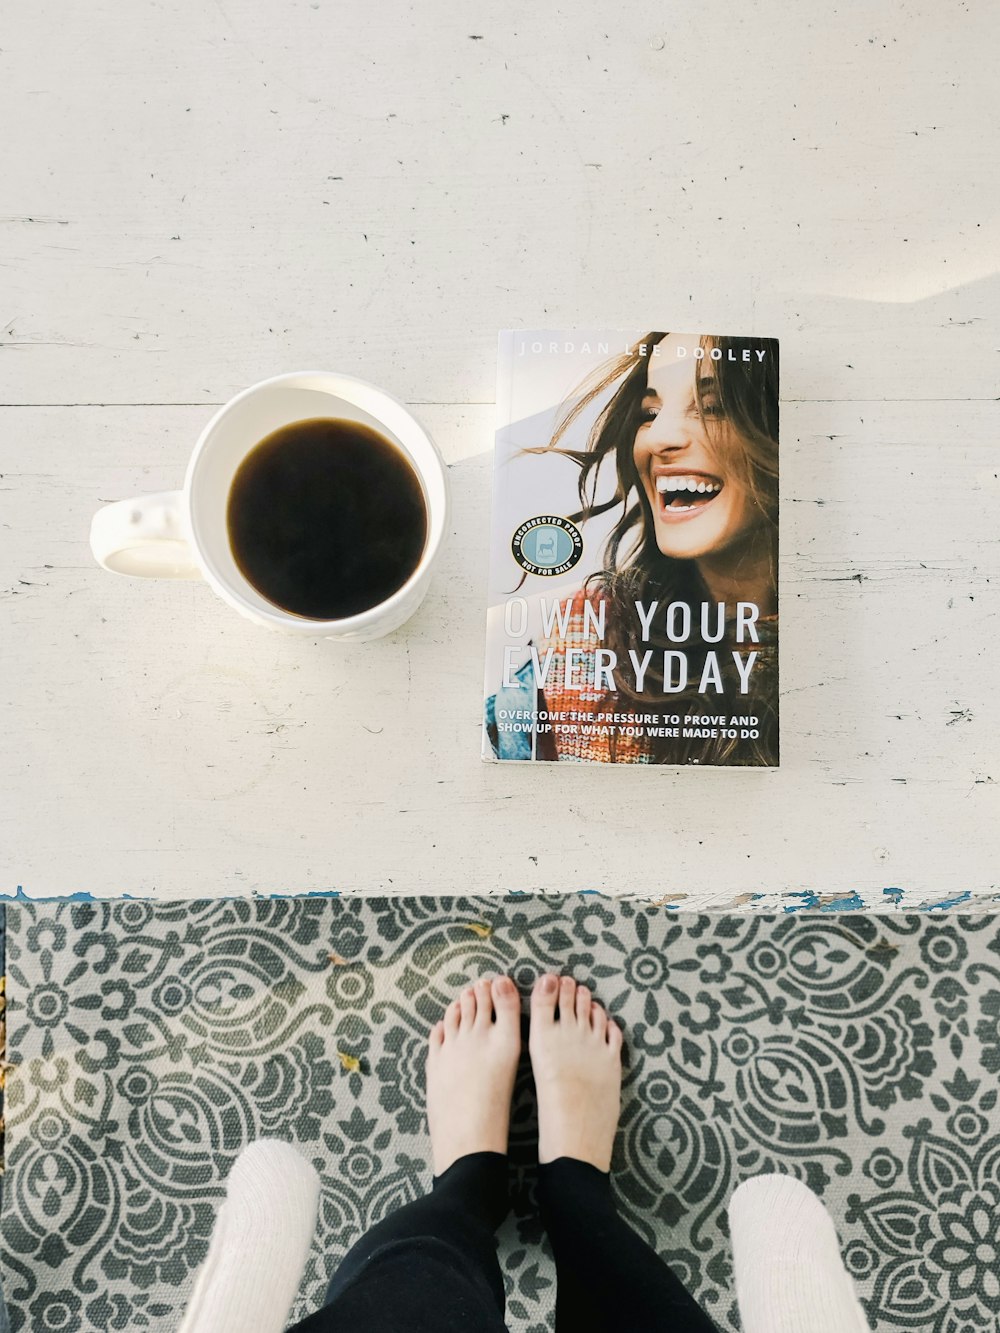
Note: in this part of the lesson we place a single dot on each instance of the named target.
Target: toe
(467, 1003)
(543, 999)
(614, 1036)
(506, 1003)
(452, 1015)
(484, 1003)
(567, 997)
(583, 1005)
(598, 1020)
(436, 1035)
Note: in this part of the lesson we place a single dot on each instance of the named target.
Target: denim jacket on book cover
(519, 697)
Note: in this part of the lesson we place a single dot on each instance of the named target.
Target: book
(633, 593)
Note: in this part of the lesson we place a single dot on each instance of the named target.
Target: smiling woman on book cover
(662, 646)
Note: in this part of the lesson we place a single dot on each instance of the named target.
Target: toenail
(503, 985)
(549, 982)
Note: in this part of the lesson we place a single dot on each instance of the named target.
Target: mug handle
(144, 537)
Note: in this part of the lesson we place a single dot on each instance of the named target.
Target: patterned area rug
(858, 1053)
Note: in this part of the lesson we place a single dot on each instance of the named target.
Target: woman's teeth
(680, 492)
(695, 485)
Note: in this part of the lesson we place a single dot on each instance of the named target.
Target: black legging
(431, 1267)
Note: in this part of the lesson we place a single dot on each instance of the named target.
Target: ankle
(471, 1162)
(480, 1182)
(570, 1189)
(576, 1171)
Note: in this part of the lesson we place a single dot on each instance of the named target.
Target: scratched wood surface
(195, 196)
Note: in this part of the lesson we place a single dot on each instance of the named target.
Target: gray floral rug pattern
(150, 1043)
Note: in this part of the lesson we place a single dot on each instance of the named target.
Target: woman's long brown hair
(634, 568)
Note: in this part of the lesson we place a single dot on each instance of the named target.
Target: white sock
(790, 1277)
(259, 1246)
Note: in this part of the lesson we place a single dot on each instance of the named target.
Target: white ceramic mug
(183, 534)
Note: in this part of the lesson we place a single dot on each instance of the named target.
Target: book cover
(633, 596)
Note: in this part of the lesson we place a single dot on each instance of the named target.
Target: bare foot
(471, 1064)
(576, 1057)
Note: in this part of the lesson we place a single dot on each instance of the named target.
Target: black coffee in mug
(326, 518)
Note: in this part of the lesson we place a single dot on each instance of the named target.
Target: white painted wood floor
(195, 196)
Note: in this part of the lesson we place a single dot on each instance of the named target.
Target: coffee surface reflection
(326, 518)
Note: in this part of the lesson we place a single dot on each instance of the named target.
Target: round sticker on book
(547, 545)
